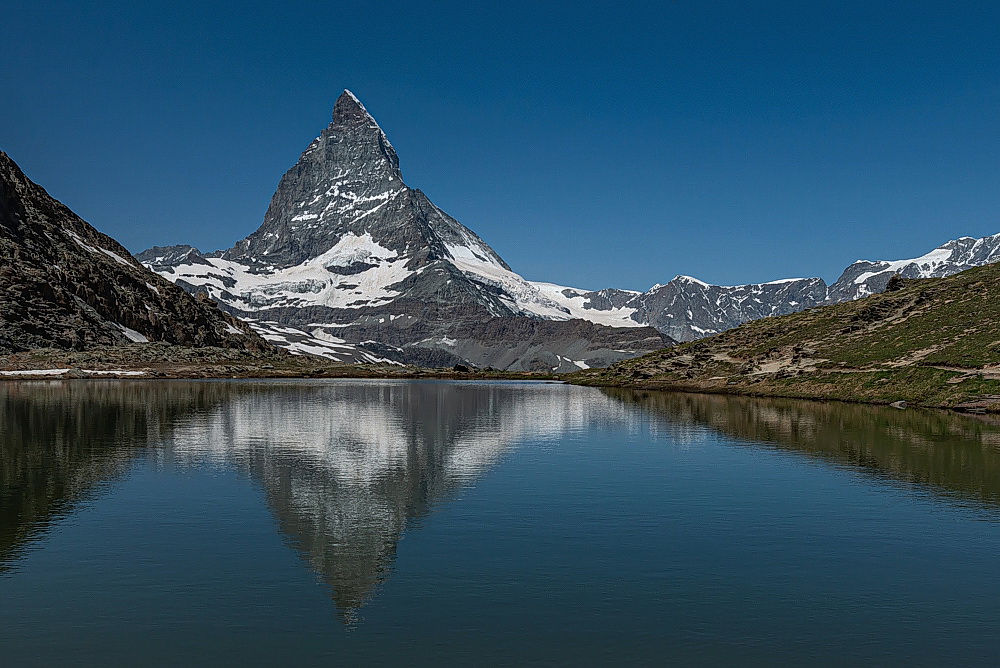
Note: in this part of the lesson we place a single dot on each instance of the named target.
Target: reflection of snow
(357, 431)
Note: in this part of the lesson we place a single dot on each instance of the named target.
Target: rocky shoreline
(165, 361)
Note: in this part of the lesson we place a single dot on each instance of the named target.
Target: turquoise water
(441, 523)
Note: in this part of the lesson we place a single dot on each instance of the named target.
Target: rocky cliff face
(63, 284)
(349, 254)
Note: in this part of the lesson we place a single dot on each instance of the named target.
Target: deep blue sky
(591, 144)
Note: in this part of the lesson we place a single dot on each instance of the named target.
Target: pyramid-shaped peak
(348, 110)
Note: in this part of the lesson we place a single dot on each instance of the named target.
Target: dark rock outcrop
(65, 285)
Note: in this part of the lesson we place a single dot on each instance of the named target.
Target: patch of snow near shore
(36, 372)
(60, 372)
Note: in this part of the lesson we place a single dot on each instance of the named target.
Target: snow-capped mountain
(686, 309)
(348, 253)
(65, 285)
(866, 277)
(352, 263)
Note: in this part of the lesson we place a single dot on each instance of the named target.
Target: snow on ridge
(785, 280)
(98, 250)
(936, 256)
(306, 284)
(576, 306)
(680, 278)
(692, 279)
(542, 299)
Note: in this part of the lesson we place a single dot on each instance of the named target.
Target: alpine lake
(366, 522)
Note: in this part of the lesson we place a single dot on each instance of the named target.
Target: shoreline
(968, 392)
(898, 397)
(164, 361)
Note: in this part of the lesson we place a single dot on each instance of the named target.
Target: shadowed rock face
(63, 284)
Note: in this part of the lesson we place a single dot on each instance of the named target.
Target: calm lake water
(445, 523)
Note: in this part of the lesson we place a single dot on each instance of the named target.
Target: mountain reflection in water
(346, 466)
(946, 454)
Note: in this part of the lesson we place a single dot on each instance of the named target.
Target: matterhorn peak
(348, 110)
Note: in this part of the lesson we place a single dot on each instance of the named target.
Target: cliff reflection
(60, 442)
(947, 454)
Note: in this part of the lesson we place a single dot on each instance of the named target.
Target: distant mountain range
(353, 264)
(686, 309)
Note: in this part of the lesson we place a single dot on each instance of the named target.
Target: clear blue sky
(590, 143)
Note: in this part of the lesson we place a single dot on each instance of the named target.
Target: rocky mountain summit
(350, 261)
(65, 285)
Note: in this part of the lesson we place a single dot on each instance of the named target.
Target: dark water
(431, 523)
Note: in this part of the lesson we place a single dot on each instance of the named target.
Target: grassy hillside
(932, 342)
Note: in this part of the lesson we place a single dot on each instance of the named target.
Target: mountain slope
(348, 252)
(931, 342)
(63, 284)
